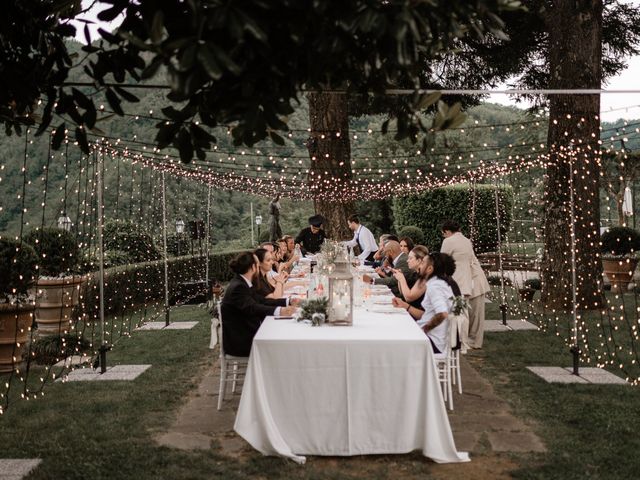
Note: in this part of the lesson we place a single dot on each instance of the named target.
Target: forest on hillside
(37, 185)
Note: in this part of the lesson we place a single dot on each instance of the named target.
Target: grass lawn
(105, 430)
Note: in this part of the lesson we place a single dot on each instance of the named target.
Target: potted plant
(529, 288)
(18, 263)
(59, 281)
(619, 261)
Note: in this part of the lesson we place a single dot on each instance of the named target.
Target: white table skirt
(367, 389)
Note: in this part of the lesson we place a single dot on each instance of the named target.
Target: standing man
(363, 238)
(311, 238)
(470, 278)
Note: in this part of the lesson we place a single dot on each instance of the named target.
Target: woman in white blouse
(436, 268)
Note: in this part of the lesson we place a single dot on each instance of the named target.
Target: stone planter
(619, 271)
(57, 298)
(15, 327)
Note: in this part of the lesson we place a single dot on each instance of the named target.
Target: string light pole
(251, 222)
(206, 247)
(99, 194)
(166, 261)
(503, 303)
(575, 347)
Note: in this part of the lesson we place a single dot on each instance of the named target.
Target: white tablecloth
(367, 389)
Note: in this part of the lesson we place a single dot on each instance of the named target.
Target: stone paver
(517, 325)
(515, 442)
(164, 326)
(73, 360)
(585, 375)
(118, 372)
(17, 468)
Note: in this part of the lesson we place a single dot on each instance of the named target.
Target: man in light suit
(470, 278)
(398, 259)
(243, 310)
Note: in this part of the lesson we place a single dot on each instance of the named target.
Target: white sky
(613, 105)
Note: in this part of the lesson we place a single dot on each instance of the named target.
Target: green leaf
(208, 61)
(277, 139)
(114, 102)
(157, 27)
(152, 68)
(81, 137)
(129, 97)
(427, 100)
(58, 136)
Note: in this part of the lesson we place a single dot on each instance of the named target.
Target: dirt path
(482, 424)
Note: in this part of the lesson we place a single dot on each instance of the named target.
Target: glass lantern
(340, 294)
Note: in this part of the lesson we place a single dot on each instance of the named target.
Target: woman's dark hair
(242, 263)
(450, 225)
(260, 253)
(443, 267)
(408, 241)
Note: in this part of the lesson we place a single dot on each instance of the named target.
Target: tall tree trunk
(330, 160)
(575, 53)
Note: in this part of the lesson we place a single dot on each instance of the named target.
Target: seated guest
(291, 245)
(413, 294)
(243, 310)
(286, 259)
(406, 244)
(311, 238)
(399, 262)
(268, 283)
(433, 317)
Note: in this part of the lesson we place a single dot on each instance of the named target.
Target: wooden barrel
(57, 297)
(15, 332)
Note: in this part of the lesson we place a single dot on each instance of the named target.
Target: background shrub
(427, 211)
(57, 250)
(414, 233)
(128, 237)
(17, 267)
(620, 241)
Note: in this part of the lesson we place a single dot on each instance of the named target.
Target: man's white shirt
(367, 241)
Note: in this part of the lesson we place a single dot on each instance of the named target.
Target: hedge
(427, 212)
(139, 284)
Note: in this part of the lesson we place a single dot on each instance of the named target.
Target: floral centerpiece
(314, 311)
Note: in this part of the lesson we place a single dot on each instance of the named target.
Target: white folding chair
(443, 363)
(456, 325)
(232, 368)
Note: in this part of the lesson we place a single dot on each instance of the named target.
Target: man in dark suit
(243, 309)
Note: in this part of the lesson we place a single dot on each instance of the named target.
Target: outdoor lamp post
(179, 231)
(64, 222)
(258, 223)
(341, 294)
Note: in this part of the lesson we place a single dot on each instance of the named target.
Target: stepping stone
(73, 360)
(586, 375)
(515, 442)
(16, 469)
(164, 326)
(517, 325)
(118, 372)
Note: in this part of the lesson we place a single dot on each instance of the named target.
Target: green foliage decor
(128, 237)
(427, 212)
(619, 241)
(17, 268)
(57, 250)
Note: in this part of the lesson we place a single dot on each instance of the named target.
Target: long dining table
(370, 388)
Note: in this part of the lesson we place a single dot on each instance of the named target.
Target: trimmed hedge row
(427, 212)
(143, 283)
